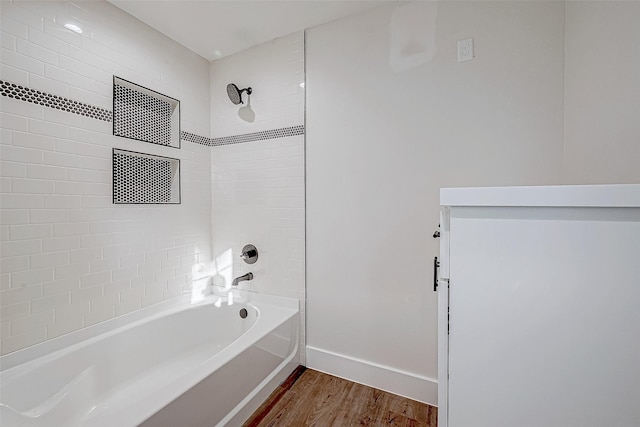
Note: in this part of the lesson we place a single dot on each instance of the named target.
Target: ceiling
(217, 28)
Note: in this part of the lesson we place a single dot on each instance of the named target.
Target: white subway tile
(63, 118)
(85, 175)
(102, 88)
(25, 16)
(127, 273)
(32, 186)
(101, 265)
(61, 159)
(84, 69)
(141, 281)
(45, 40)
(21, 247)
(96, 163)
(60, 244)
(47, 128)
(22, 109)
(22, 62)
(37, 52)
(7, 41)
(12, 26)
(5, 185)
(61, 286)
(48, 85)
(95, 279)
(29, 232)
(23, 325)
(83, 149)
(85, 215)
(12, 264)
(84, 255)
(13, 216)
(76, 309)
(21, 201)
(86, 294)
(49, 259)
(91, 98)
(99, 314)
(70, 229)
(5, 281)
(11, 312)
(85, 137)
(16, 342)
(29, 140)
(95, 125)
(62, 202)
(46, 172)
(14, 75)
(96, 240)
(31, 277)
(152, 295)
(19, 295)
(64, 325)
(61, 33)
(82, 188)
(12, 121)
(71, 271)
(96, 201)
(49, 303)
(44, 216)
(63, 76)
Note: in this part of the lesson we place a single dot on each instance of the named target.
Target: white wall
(602, 92)
(69, 257)
(258, 186)
(392, 117)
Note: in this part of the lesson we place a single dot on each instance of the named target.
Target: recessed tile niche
(140, 178)
(142, 114)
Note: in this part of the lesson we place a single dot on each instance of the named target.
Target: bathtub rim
(51, 347)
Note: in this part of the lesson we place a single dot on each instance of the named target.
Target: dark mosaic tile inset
(196, 139)
(21, 93)
(139, 178)
(138, 115)
(258, 136)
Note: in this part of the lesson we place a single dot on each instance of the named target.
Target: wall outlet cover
(465, 50)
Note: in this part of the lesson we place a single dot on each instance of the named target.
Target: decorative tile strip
(22, 93)
(196, 139)
(259, 136)
(15, 91)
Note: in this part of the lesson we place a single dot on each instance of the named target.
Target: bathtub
(174, 364)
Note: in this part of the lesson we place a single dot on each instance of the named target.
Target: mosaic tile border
(196, 139)
(22, 93)
(258, 136)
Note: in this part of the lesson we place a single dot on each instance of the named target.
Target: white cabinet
(542, 287)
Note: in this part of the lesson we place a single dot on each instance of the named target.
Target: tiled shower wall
(69, 257)
(258, 185)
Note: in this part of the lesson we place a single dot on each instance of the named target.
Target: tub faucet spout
(248, 276)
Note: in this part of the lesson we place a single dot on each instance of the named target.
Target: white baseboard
(407, 384)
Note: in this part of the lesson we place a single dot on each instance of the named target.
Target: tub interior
(118, 366)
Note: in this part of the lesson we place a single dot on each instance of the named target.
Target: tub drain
(243, 313)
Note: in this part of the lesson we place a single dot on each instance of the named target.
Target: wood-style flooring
(312, 398)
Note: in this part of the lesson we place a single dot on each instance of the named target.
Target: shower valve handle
(249, 254)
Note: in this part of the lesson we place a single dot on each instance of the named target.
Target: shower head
(235, 94)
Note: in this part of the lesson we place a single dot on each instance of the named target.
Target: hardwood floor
(312, 398)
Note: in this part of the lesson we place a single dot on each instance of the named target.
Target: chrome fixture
(248, 276)
(235, 94)
(249, 254)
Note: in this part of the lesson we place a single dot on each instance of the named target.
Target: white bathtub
(175, 364)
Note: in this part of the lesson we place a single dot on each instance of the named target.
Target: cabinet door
(544, 317)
